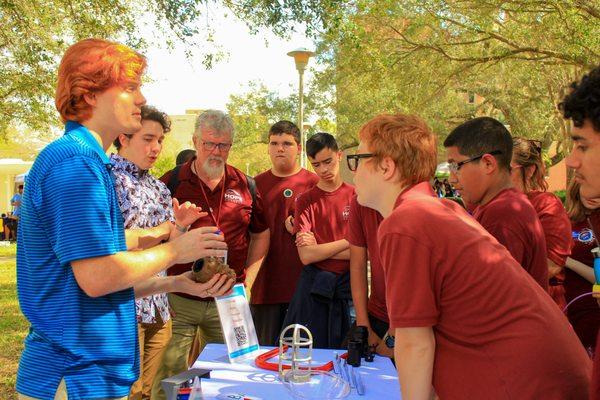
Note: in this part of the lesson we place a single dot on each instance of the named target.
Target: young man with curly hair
(582, 106)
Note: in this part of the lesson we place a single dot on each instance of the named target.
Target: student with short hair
(321, 221)
(468, 321)
(479, 154)
(279, 186)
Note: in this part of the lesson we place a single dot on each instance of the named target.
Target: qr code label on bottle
(240, 335)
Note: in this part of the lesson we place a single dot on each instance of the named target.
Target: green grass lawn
(13, 326)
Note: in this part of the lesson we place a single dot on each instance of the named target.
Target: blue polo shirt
(70, 212)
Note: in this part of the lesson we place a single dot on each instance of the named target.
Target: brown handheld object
(206, 268)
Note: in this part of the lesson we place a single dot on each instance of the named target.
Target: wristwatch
(389, 341)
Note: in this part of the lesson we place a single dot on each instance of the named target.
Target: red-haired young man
(76, 279)
(467, 319)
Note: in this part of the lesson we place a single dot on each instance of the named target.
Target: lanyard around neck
(210, 210)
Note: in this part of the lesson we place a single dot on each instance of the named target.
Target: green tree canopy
(35, 34)
(513, 58)
(254, 111)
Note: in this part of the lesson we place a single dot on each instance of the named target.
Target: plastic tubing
(575, 299)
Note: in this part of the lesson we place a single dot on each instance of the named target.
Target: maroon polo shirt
(362, 232)
(498, 335)
(513, 221)
(557, 232)
(555, 223)
(278, 275)
(326, 215)
(237, 215)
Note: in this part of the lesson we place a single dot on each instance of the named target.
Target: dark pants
(321, 302)
(268, 321)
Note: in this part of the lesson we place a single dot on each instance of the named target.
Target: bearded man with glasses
(234, 206)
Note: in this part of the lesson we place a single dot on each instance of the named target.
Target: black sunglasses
(352, 160)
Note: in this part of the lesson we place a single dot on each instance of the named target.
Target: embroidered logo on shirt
(346, 213)
(233, 197)
(288, 193)
(584, 236)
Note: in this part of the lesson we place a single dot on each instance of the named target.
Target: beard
(213, 172)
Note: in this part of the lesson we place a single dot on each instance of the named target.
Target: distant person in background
(584, 314)
(438, 187)
(448, 190)
(527, 173)
(15, 202)
(185, 156)
(4, 231)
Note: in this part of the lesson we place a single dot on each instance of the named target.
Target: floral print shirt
(145, 202)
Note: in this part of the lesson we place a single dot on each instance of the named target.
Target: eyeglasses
(455, 167)
(352, 160)
(210, 146)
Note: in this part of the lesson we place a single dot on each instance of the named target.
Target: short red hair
(407, 140)
(93, 66)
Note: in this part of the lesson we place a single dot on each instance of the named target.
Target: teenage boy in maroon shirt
(468, 320)
(582, 106)
(279, 187)
(321, 301)
(479, 154)
(371, 311)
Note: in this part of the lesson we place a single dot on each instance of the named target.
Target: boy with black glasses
(479, 154)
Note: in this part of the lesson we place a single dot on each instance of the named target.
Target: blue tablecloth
(379, 377)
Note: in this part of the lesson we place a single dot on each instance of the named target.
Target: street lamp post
(301, 56)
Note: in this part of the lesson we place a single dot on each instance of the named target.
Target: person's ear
(90, 99)
(388, 167)
(489, 162)
(123, 139)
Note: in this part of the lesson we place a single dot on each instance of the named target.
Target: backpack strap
(174, 180)
(252, 188)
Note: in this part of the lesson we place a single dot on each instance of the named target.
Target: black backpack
(174, 183)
